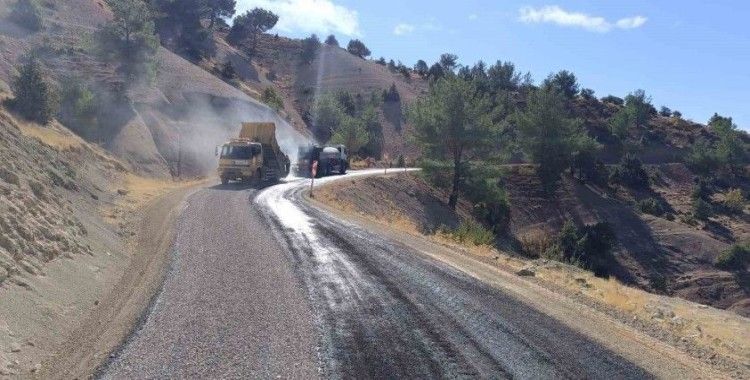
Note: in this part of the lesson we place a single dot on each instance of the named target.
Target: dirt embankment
(403, 203)
(395, 199)
(68, 213)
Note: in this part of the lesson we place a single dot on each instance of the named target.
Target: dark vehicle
(331, 160)
(305, 158)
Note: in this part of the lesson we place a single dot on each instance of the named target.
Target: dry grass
(51, 136)
(535, 242)
(138, 190)
(134, 192)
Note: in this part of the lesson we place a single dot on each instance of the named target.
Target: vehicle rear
(305, 158)
(333, 160)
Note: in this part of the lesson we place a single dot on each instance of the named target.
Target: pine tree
(452, 125)
(548, 136)
(129, 39)
(34, 98)
(332, 41)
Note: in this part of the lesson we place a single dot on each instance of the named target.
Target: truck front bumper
(235, 172)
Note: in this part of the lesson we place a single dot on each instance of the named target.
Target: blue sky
(692, 56)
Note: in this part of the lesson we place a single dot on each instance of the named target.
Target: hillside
(66, 212)
(654, 253)
(185, 112)
(333, 70)
(409, 209)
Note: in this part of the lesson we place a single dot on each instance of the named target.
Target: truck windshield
(239, 152)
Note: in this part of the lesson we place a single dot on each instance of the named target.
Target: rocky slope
(61, 241)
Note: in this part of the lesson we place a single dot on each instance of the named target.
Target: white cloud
(631, 22)
(308, 16)
(402, 29)
(473, 16)
(556, 15)
(406, 28)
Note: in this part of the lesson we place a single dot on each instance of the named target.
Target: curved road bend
(265, 285)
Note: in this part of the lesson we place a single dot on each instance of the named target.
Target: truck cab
(254, 156)
(240, 160)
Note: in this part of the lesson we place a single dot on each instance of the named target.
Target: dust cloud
(205, 122)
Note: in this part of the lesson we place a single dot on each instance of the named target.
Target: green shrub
(588, 246)
(27, 13)
(658, 282)
(734, 201)
(272, 99)
(702, 210)
(475, 233)
(484, 190)
(228, 72)
(38, 189)
(35, 99)
(689, 219)
(565, 242)
(611, 99)
(651, 206)
(79, 108)
(703, 158)
(630, 172)
(703, 188)
(736, 258)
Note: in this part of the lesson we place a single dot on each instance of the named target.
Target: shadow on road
(242, 186)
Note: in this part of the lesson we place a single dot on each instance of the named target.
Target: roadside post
(387, 163)
(313, 173)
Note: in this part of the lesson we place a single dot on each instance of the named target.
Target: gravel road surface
(265, 285)
(231, 305)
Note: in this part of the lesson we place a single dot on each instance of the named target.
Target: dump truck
(331, 159)
(253, 157)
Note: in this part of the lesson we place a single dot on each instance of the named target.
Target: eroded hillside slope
(60, 236)
(161, 128)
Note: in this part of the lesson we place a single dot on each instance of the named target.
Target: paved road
(264, 285)
(231, 305)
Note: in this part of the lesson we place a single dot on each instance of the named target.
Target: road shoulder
(113, 319)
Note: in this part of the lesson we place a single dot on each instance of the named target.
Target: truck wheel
(342, 168)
